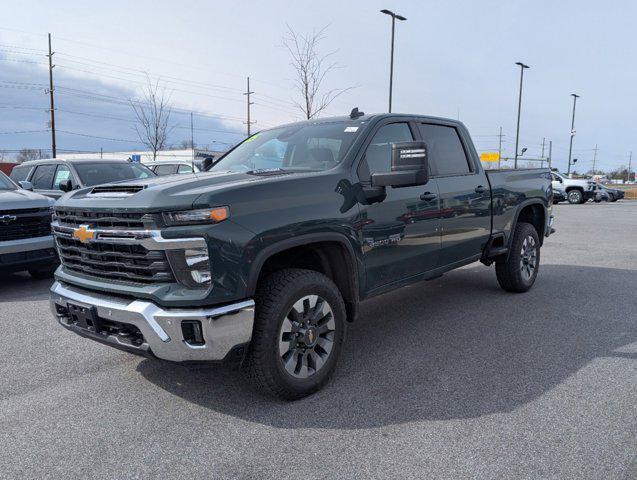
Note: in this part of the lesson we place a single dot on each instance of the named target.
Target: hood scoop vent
(116, 190)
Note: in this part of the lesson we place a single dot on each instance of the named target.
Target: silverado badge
(83, 234)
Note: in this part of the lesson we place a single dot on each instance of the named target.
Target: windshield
(305, 147)
(108, 172)
(5, 183)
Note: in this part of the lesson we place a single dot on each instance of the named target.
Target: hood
(169, 192)
(22, 199)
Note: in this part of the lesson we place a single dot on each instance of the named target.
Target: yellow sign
(489, 157)
(83, 234)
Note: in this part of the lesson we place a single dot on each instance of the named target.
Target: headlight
(191, 266)
(196, 217)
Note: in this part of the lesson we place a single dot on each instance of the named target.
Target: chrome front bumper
(223, 327)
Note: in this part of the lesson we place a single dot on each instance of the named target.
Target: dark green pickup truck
(264, 259)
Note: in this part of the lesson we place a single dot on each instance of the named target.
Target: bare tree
(153, 114)
(27, 154)
(311, 68)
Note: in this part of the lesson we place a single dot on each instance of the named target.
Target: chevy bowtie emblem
(6, 219)
(83, 234)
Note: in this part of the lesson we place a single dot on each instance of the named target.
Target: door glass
(43, 177)
(184, 169)
(446, 154)
(165, 169)
(62, 174)
(378, 154)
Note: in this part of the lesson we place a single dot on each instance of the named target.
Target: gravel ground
(452, 378)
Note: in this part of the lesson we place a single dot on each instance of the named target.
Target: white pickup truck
(577, 191)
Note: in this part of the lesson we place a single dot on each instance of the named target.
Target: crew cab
(55, 176)
(577, 191)
(264, 260)
(26, 242)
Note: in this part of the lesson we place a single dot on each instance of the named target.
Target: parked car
(614, 194)
(171, 167)
(26, 242)
(559, 194)
(601, 195)
(265, 266)
(55, 176)
(577, 191)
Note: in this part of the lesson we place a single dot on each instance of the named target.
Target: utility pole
(594, 158)
(543, 142)
(247, 94)
(630, 165)
(192, 143)
(570, 148)
(50, 55)
(101, 153)
(500, 150)
(550, 153)
(517, 133)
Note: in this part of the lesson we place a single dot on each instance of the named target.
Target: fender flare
(522, 206)
(273, 249)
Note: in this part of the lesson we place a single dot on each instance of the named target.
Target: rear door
(400, 234)
(465, 199)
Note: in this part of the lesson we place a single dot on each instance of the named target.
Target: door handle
(428, 196)
(480, 189)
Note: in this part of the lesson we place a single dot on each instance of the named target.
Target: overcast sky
(452, 58)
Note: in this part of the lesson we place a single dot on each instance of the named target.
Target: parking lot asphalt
(452, 378)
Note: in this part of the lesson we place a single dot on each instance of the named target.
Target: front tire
(518, 271)
(575, 197)
(299, 330)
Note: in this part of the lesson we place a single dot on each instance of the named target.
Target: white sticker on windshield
(351, 129)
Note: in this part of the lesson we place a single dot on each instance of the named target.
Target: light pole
(393, 16)
(570, 147)
(517, 133)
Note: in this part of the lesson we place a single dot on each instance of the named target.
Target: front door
(400, 234)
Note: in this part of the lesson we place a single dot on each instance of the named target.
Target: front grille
(75, 218)
(21, 224)
(130, 263)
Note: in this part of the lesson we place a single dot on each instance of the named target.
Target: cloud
(86, 108)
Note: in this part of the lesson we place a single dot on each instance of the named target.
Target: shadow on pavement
(23, 287)
(457, 347)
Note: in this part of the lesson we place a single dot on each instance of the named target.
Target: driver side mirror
(66, 185)
(25, 185)
(409, 166)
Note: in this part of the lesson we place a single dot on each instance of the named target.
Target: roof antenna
(354, 114)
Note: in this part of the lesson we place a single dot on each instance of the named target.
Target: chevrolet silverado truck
(265, 259)
(26, 242)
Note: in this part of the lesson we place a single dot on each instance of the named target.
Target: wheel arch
(533, 211)
(328, 253)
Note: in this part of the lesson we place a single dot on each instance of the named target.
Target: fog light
(191, 330)
(191, 266)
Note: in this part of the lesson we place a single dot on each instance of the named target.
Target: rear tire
(575, 197)
(299, 329)
(517, 271)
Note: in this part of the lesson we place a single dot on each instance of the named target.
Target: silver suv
(26, 242)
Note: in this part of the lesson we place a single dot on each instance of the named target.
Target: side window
(446, 154)
(43, 177)
(165, 169)
(62, 174)
(20, 173)
(184, 169)
(378, 154)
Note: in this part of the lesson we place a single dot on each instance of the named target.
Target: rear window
(98, 173)
(446, 154)
(165, 169)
